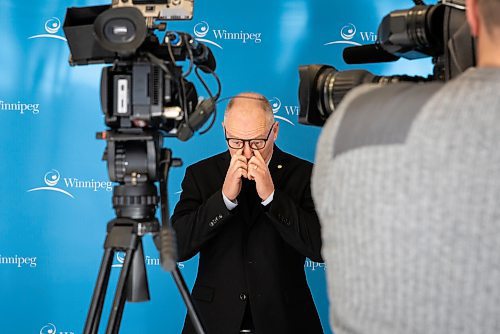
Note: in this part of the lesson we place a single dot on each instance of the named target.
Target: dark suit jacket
(252, 253)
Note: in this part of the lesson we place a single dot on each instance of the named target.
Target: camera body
(145, 88)
(142, 94)
(145, 95)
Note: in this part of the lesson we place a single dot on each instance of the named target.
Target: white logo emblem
(50, 328)
(275, 104)
(120, 258)
(52, 27)
(201, 30)
(290, 110)
(51, 179)
(347, 33)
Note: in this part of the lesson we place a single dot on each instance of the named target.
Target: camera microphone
(200, 115)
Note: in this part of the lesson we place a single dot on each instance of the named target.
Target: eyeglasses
(256, 144)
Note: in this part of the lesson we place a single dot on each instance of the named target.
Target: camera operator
(249, 213)
(408, 194)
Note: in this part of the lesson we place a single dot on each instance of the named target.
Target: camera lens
(322, 88)
(412, 33)
(333, 85)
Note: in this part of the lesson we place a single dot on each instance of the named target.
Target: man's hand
(237, 169)
(258, 171)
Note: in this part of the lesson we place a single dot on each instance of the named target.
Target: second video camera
(439, 31)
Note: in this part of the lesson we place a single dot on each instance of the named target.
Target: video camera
(439, 31)
(145, 95)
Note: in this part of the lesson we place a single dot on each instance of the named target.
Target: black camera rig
(439, 31)
(145, 97)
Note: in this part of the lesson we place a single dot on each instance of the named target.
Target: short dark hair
(490, 12)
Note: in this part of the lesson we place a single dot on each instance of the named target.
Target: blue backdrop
(55, 198)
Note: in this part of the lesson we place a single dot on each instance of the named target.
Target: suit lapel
(223, 165)
(277, 165)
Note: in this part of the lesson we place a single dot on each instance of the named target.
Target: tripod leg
(183, 289)
(120, 313)
(95, 310)
(119, 301)
(137, 282)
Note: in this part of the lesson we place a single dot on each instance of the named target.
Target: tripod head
(133, 161)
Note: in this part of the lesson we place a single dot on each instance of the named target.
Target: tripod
(135, 205)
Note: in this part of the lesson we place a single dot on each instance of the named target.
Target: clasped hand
(255, 169)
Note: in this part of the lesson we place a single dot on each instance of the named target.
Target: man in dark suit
(250, 215)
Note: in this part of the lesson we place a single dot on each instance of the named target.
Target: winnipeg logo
(50, 328)
(290, 110)
(51, 179)
(202, 30)
(52, 27)
(349, 32)
(148, 261)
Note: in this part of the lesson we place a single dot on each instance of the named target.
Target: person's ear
(472, 16)
(276, 130)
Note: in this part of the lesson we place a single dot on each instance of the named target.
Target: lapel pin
(280, 166)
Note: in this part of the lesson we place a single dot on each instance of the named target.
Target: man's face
(246, 120)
